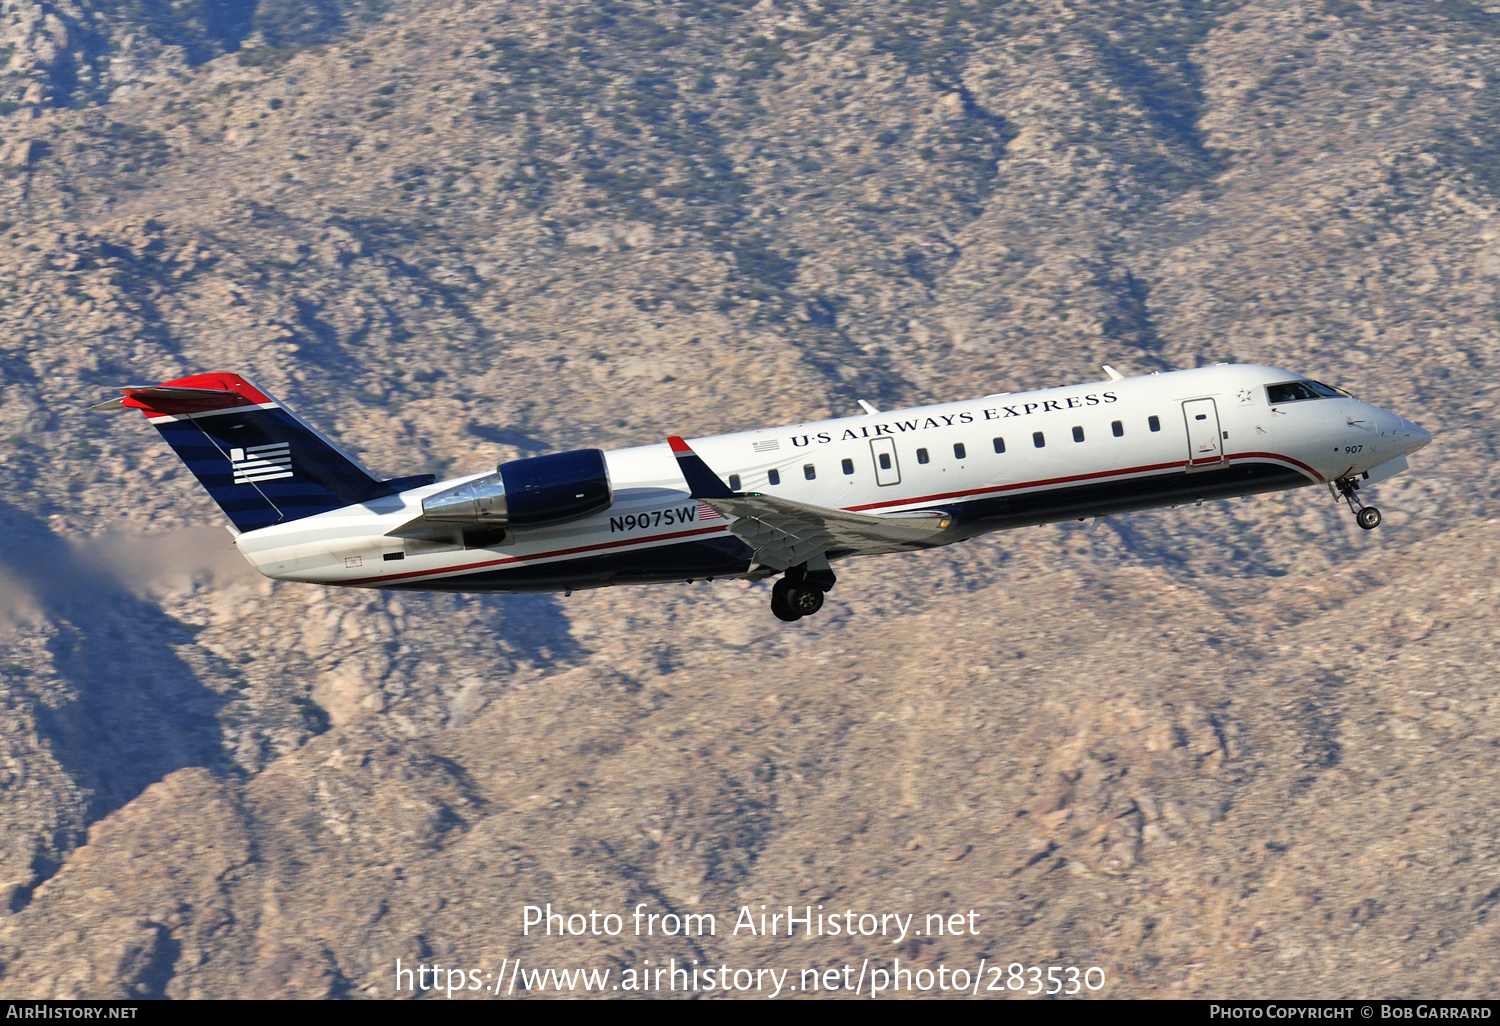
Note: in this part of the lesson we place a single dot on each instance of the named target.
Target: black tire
(780, 605)
(804, 599)
(1368, 518)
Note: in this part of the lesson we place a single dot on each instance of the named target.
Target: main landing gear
(1367, 517)
(800, 592)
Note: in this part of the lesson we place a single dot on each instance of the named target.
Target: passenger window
(959, 452)
(773, 477)
(1037, 439)
(734, 482)
(1117, 428)
(885, 461)
(922, 456)
(809, 471)
(1077, 434)
(1154, 423)
(848, 466)
(999, 445)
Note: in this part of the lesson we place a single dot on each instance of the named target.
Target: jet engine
(534, 492)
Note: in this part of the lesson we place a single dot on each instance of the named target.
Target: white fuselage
(1079, 450)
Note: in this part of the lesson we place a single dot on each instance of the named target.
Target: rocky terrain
(1238, 750)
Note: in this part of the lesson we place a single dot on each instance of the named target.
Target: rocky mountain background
(1238, 750)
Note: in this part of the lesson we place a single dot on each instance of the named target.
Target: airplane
(784, 502)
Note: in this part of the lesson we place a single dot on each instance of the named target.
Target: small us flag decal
(261, 462)
(707, 512)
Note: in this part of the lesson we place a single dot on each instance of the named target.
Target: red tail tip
(677, 444)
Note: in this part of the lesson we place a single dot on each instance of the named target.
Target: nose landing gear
(800, 592)
(1367, 517)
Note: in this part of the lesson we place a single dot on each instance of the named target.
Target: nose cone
(1415, 435)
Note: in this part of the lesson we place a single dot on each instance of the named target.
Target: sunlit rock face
(1238, 749)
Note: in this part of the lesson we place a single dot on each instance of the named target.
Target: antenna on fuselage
(866, 407)
(1114, 375)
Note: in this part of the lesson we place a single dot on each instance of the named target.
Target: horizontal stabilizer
(174, 399)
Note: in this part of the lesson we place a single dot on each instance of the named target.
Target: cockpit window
(1296, 391)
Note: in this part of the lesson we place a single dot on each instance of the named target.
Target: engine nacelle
(534, 492)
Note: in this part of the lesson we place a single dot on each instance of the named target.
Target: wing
(785, 533)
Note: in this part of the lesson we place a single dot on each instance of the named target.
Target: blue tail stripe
(322, 478)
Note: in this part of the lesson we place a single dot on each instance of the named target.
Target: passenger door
(887, 470)
(1205, 439)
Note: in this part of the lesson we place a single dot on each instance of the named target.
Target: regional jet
(786, 502)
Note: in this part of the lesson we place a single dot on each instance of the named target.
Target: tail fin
(258, 460)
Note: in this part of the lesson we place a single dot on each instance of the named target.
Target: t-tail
(258, 460)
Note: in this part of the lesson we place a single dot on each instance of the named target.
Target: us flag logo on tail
(707, 512)
(261, 462)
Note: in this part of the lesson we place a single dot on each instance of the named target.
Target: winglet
(702, 481)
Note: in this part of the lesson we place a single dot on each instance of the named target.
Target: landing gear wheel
(780, 604)
(1367, 517)
(804, 599)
